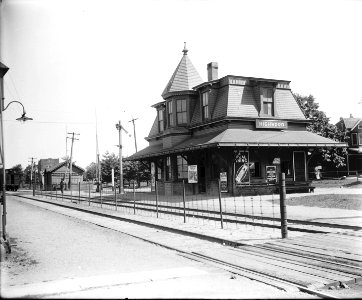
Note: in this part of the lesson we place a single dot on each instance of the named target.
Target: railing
(220, 209)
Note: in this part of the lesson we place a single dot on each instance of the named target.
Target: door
(299, 166)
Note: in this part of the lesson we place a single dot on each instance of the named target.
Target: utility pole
(31, 172)
(71, 156)
(120, 128)
(134, 132)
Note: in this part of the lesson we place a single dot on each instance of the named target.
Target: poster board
(192, 174)
(271, 174)
(223, 182)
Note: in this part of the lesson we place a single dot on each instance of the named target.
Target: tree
(90, 171)
(321, 126)
(109, 161)
(137, 171)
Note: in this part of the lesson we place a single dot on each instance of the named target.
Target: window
(254, 169)
(160, 120)
(354, 138)
(205, 106)
(360, 138)
(181, 112)
(168, 168)
(170, 114)
(267, 102)
(181, 167)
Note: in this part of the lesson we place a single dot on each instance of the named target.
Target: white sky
(72, 59)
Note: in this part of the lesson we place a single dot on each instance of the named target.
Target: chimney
(350, 115)
(212, 71)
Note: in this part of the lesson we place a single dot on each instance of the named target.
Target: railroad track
(261, 262)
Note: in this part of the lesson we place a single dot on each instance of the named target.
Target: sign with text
(271, 174)
(192, 173)
(223, 182)
(275, 124)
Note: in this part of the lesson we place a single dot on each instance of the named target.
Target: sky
(83, 65)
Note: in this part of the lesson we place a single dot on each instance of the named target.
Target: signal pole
(71, 156)
(134, 132)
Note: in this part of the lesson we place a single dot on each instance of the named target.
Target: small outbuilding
(53, 176)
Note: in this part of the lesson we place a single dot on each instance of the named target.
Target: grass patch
(343, 201)
(338, 182)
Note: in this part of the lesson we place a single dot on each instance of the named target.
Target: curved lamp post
(23, 118)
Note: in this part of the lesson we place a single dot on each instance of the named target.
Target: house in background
(45, 165)
(353, 129)
(241, 130)
(53, 176)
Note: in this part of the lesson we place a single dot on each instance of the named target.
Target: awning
(235, 137)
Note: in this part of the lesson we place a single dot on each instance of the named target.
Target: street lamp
(23, 118)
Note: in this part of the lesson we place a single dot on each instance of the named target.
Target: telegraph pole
(31, 172)
(120, 128)
(71, 156)
(134, 132)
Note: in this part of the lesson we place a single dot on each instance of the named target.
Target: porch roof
(237, 137)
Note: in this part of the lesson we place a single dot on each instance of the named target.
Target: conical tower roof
(184, 78)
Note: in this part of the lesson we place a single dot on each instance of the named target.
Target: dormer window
(169, 114)
(267, 102)
(181, 112)
(161, 125)
(205, 106)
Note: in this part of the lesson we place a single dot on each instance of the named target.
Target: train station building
(240, 130)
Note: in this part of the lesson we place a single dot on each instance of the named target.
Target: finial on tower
(185, 50)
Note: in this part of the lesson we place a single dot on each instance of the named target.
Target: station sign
(274, 124)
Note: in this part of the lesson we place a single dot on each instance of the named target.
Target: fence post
(88, 194)
(183, 199)
(56, 193)
(100, 193)
(357, 175)
(219, 190)
(156, 188)
(79, 192)
(134, 199)
(115, 196)
(283, 208)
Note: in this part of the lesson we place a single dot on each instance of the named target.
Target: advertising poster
(271, 174)
(242, 168)
(223, 182)
(153, 177)
(192, 173)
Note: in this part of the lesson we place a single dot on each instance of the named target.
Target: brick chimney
(350, 115)
(212, 71)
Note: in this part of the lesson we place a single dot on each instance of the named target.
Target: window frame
(205, 106)
(355, 140)
(168, 168)
(181, 167)
(160, 113)
(181, 113)
(170, 120)
(269, 101)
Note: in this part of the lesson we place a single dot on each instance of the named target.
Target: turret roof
(184, 78)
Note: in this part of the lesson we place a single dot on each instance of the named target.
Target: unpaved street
(59, 256)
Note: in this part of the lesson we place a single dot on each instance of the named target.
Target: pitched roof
(242, 137)
(184, 78)
(350, 123)
(58, 166)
